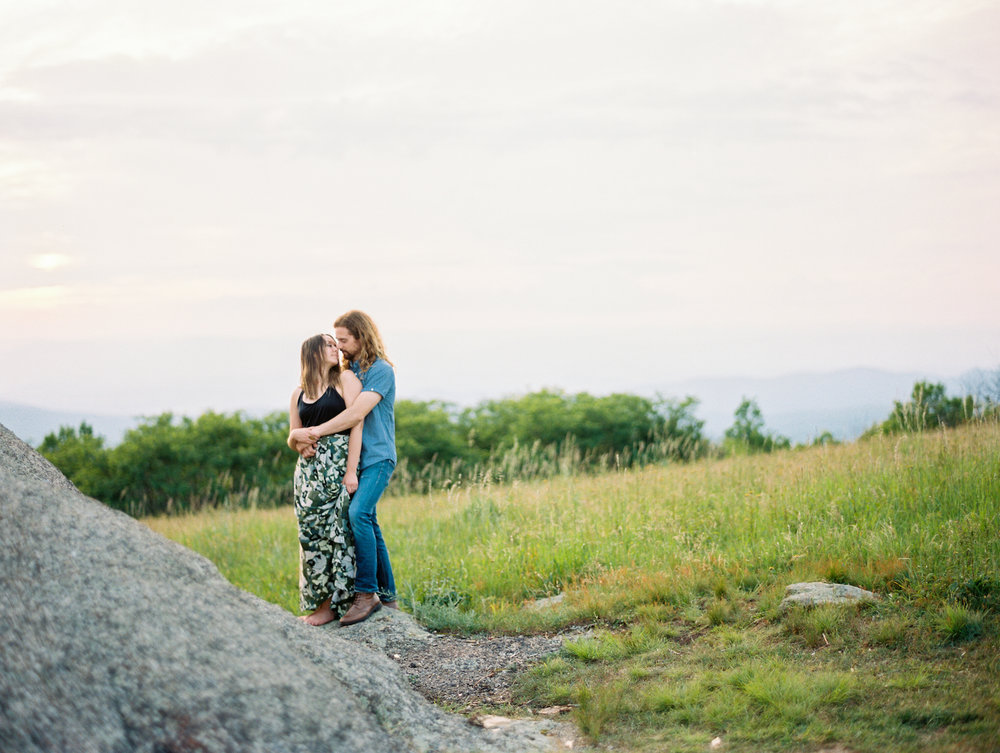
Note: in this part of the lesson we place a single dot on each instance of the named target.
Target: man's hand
(302, 436)
(303, 441)
(351, 482)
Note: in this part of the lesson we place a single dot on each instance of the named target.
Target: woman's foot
(321, 616)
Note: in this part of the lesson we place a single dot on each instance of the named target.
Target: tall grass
(539, 461)
(914, 513)
(909, 514)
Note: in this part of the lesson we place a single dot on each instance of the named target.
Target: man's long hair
(361, 326)
(316, 378)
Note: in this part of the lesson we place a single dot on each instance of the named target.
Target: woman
(324, 481)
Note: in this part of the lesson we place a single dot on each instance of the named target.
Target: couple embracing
(342, 425)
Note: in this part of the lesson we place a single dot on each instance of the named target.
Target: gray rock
(548, 602)
(811, 594)
(113, 638)
(23, 462)
(388, 631)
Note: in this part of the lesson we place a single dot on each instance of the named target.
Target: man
(361, 344)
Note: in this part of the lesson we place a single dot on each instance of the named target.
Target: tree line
(170, 464)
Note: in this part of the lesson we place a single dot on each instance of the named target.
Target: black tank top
(330, 404)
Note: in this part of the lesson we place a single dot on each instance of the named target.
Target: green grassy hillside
(679, 570)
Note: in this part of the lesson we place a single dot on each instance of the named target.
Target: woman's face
(330, 353)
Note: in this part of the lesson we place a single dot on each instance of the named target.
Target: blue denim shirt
(379, 440)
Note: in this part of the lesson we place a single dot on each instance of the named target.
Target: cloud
(720, 176)
(529, 74)
(49, 262)
(30, 299)
(27, 177)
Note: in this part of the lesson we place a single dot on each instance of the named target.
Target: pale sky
(599, 196)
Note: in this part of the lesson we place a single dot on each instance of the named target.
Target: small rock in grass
(547, 602)
(819, 592)
(489, 721)
(554, 710)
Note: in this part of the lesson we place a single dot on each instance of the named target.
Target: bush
(746, 435)
(165, 466)
(928, 408)
(169, 464)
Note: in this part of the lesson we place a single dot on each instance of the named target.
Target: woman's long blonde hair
(313, 377)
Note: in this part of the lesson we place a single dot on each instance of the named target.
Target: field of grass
(678, 570)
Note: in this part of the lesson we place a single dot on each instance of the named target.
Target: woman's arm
(304, 447)
(294, 421)
(352, 388)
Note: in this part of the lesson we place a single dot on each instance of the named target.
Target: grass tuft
(957, 624)
(893, 632)
(720, 612)
(818, 626)
(598, 707)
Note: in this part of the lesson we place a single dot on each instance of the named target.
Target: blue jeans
(374, 573)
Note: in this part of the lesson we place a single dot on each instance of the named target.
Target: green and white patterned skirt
(326, 562)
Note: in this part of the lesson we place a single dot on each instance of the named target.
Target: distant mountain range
(802, 406)
(31, 424)
(797, 406)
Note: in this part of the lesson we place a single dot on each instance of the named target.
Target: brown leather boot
(391, 604)
(364, 606)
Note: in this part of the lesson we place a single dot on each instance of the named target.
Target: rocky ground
(468, 673)
(458, 673)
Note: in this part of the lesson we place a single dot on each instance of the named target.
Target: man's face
(347, 343)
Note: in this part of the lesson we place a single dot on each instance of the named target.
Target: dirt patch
(468, 673)
(459, 673)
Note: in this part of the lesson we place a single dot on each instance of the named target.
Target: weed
(915, 680)
(721, 589)
(957, 624)
(610, 646)
(589, 649)
(893, 632)
(652, 613)
(977, 593)
(817, 626)
(670, 697)
(719, 612)
(795, 696)
(935, 717)
(597, 707)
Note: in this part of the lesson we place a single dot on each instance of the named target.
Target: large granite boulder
(113, 638)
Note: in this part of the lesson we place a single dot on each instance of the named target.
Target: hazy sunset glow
(597, 196)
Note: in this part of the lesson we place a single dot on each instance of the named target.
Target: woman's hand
(351, 482)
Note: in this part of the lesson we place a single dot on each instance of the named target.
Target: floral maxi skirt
(326, 561)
